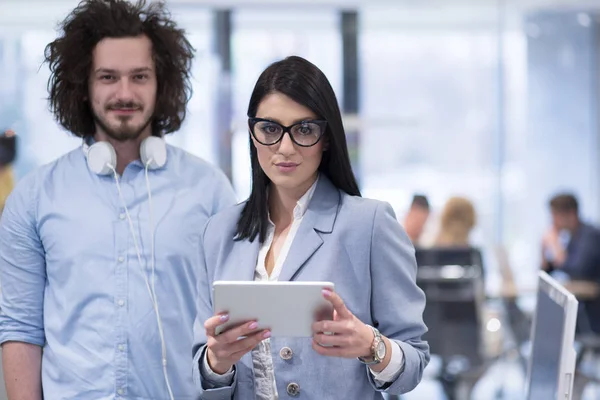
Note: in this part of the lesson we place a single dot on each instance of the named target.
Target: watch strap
(376, 339)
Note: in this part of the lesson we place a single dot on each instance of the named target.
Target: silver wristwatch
(378, 349)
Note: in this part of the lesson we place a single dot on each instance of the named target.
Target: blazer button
(286, 353)
(293, 389)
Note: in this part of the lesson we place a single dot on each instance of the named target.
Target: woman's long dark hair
(306, 84)
(70, 60)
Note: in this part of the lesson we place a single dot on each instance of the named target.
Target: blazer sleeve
(397, 303)
(208, 390)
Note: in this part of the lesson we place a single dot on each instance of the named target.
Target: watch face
(381, 350)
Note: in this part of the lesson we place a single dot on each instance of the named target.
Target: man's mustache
(124, 106)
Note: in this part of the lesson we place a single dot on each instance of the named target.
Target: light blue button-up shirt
(70, 278)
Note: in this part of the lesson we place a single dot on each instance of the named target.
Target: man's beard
(125, 131)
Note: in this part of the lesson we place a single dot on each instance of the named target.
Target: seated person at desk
(305, 221)
(416, 218)
(572, 247)
(457, 221)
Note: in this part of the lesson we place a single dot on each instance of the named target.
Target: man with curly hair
(99, 249)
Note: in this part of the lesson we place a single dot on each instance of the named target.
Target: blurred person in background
(99, 249)
(416, 218)
(457, 220)
(570, 244)
(572, 247)
(8, 153)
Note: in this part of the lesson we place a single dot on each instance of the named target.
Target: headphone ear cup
(153, 152)
(101, 158)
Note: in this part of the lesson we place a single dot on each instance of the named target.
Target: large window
(429, 112)
(456, 98)
(552, 122)
(197, 135)
(24, 32)
(23, 87)
(263, 36)
(495, 104)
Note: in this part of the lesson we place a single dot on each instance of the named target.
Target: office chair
(453, 282)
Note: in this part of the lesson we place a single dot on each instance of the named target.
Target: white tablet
(287, 308)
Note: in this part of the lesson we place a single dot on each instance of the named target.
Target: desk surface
(582, 290)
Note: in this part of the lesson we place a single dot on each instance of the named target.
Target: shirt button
(121, 302)
(121, 347)
(122, 216)
(121, 259)
(286, 353)
(293, 389)
(120, 392)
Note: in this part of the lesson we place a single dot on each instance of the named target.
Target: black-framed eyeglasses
(303, 133)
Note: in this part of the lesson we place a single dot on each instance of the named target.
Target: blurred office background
(493, 100)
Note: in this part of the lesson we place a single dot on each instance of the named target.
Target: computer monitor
(551, 363)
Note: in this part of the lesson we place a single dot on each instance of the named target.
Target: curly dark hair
(70, 61)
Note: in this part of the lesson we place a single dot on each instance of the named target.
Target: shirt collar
(303, 202)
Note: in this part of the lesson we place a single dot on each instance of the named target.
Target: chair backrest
(453, 282)
(439, 256)
(453, 314)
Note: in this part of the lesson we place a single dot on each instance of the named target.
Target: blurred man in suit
(572, 246)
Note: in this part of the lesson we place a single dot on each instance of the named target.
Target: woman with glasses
(305, 221)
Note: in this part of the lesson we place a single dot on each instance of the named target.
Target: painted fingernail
(267, 334)
(326, 293)
(253, 325)
(224, 317)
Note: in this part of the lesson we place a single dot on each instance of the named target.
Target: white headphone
(102, 159)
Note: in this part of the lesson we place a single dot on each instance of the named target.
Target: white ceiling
(44, 14)
(50, 4)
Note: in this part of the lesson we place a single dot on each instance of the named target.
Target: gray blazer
(357, 244)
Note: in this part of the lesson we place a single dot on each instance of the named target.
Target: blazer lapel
(243, 264)
(318, 219)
